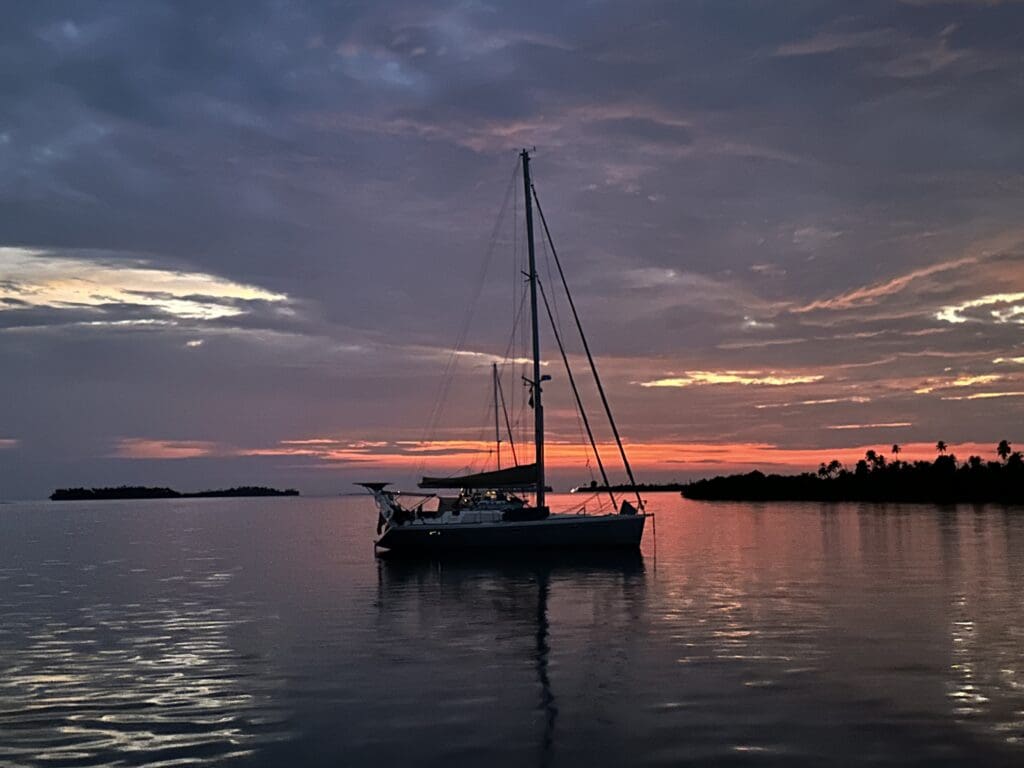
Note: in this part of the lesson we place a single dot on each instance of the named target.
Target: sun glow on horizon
(454, 456)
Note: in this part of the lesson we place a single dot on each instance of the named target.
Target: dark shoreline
(916, 485)
(943, 481)
(142, 492)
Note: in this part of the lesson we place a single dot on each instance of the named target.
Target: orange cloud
(143, 448)
(870, 294)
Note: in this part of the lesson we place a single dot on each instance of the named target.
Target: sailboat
(490, 511)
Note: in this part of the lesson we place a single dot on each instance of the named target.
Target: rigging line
(508, 425)
(586, 348)
(449, 368)
(582, 436)
(557, 322)
(510, 352)
(551, 279)
(575, 391)
(515, 322)
(483, 455)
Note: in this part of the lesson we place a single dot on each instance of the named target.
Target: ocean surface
(263, 632)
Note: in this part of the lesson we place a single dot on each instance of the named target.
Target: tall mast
(497, 429)
(538, 408)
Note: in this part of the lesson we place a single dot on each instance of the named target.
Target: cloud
(1000, 308)
(984, 396)
(832, 42)
(879, 425)
(745, 378)
(889, 52)
(822, 401)
(871, 294)
(101, 283)
(961, 381)
(145, 448)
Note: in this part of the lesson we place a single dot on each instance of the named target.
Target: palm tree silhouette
(896, 452)
(940, 446)
(1004, 449)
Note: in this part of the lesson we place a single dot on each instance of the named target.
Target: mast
(497, 429)
(538, 408)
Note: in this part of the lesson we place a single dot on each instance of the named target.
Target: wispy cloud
(873, 425)
(745, 378)
(960, 381)
(984, 396)
(146, 448)
(822, 401)
(868, 295)
(831, 42)
(38, 278)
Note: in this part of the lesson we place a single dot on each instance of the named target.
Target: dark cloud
(812, 193)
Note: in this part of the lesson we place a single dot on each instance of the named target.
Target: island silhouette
(873, 478)
(144, 492)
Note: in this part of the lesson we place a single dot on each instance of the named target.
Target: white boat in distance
(488, 512)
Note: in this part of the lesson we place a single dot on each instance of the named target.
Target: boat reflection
(513, 598)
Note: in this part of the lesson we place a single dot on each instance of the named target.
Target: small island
(143, 492)
(943, 481)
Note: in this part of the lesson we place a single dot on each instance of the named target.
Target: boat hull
(568, 532)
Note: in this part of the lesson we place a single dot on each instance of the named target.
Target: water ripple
(159, 685)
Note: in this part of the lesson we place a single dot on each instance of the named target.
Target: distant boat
(488, 513)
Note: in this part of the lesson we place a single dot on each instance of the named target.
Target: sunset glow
(571, 460)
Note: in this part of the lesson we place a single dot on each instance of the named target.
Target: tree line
(875, 478)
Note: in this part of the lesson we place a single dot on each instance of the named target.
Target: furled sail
(523, 476)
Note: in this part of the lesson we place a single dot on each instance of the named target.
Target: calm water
(264, 632)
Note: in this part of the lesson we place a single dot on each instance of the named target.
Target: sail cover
(523, 476)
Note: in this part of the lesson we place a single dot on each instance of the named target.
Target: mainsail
(522, 476)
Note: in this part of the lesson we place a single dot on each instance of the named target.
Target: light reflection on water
(264, 632)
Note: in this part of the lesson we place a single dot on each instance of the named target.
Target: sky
(255, 242)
